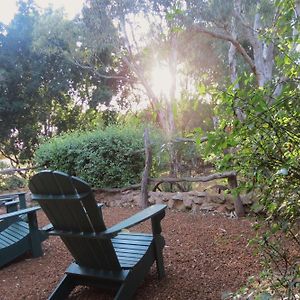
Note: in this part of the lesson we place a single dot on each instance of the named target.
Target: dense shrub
(113, 157)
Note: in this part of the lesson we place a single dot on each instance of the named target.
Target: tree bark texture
(238, 204)
(145, 178)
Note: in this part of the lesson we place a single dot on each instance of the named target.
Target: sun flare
(161, 81)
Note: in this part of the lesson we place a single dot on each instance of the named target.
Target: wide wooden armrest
(19, 213)
(139, 217)
(14, 195)
(148, 213)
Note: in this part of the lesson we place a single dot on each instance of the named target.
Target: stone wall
(214, 199)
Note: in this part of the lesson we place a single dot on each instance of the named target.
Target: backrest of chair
(69, 205)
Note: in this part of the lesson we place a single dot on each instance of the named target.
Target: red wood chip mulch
(205, 256)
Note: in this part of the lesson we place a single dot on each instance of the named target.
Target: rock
(126, 192)
(178, 204)
(208, 206)
(229, 206)
(196, 208)
(222, 209)
(178, 196)
(151, 200)
(219, 199)
(187, 202)
(171, 203)
(199, 200)
(136, 199)
(197, 194)
(158, 200)
(156, 197)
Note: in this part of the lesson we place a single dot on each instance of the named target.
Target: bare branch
(184, 140)
(17, 170)
(100, 75)
(171, 180)
(195, 179)
(230, 39)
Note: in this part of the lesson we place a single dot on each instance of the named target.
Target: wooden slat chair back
(104, 257)
(70, 206)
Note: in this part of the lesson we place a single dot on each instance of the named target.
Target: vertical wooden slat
(68, 210)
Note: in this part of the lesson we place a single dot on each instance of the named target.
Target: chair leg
(129, 286)
(35, 240)
(159, 243)
(126, 292)
(63, 289)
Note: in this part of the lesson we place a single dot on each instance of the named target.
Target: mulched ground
(205, 256)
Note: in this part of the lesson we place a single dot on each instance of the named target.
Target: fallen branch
(195, 179)
(17, 170)
(118, 190)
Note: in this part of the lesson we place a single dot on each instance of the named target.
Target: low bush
(108, 158)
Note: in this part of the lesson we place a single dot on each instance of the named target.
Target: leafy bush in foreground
(113, 157)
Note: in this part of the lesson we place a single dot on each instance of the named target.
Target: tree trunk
(233, 67)
(238, 204)
(145, 178)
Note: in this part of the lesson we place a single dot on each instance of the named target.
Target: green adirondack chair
(105, 258)
(19, 198)
(18, 236)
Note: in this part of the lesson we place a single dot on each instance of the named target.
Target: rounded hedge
(109, 158)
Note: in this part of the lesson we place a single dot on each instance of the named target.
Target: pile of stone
(215, 198)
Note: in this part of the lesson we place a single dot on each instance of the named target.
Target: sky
(8, 8)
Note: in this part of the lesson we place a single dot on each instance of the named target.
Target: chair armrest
(148, 213)
(7, 199)
(100, 205)
(20, 195)
(47, 227)
(10, 203)
(19, 213)
(14, 195)
(155, 213)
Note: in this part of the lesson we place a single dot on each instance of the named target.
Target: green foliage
(10, 182)
(45, 87)
(264, 150)
(193, 111)
(113, 157)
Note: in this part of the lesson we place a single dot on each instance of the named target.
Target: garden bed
(206, 256)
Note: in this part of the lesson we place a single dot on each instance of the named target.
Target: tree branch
(100, 75)
(230, 39)
(195, 179)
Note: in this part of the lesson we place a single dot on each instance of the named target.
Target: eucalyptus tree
(250, 29)
(142, 35)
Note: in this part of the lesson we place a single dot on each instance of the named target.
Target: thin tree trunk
(148, 162)
(233, 66)
(238, 204)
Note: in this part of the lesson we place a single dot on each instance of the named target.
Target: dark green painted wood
(19, 213)
(103, 257)
(11, 206)
(21, 197)
(17, 236)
